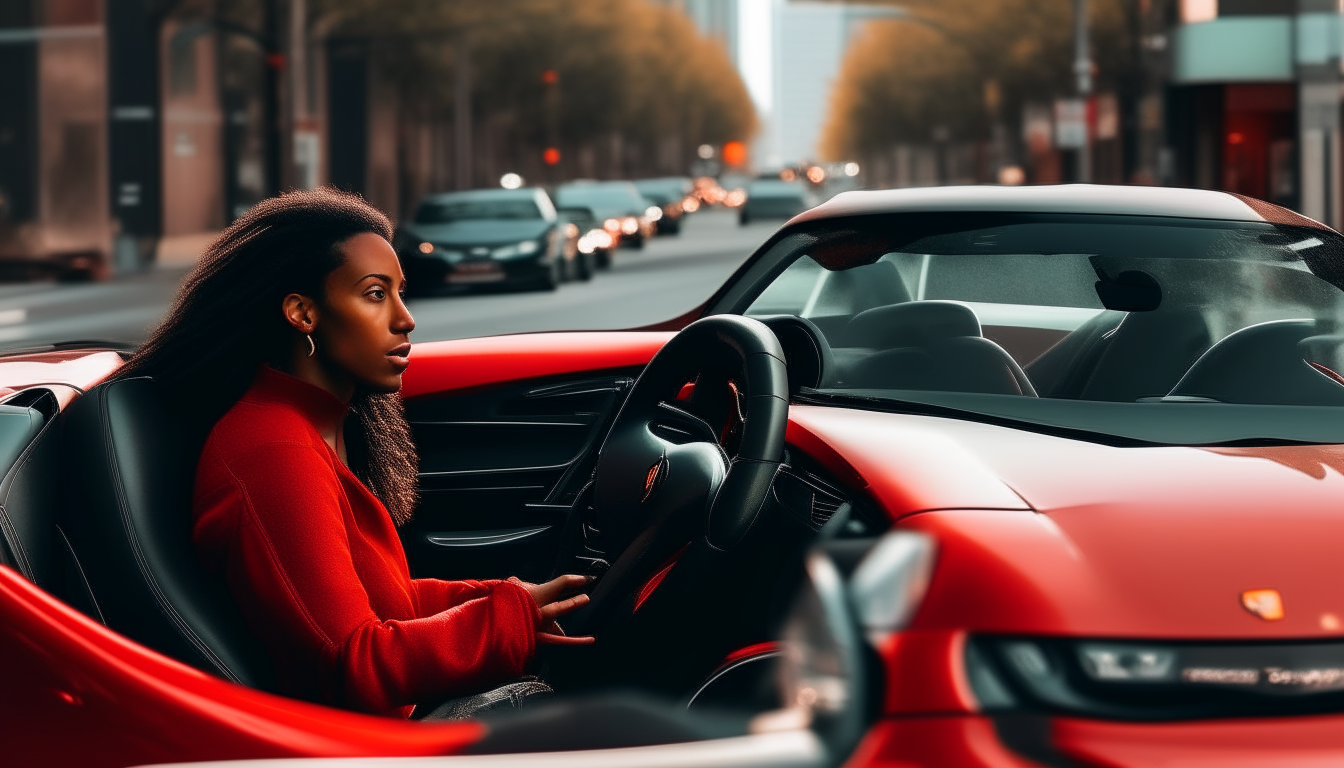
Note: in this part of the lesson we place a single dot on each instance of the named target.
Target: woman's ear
(301, 312)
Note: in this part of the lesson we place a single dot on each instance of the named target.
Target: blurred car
(992, 477)
(669, 193)
(774, 199)
(591, 241)
(626, 215)
(708, 191)
(486, 237)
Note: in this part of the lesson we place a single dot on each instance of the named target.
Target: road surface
(668, 277)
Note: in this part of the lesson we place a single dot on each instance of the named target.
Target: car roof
(1062, 198)
(776, 186)
(664, 182)
(522, 193)
(581, 184)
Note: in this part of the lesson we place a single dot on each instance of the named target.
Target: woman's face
(365, 326)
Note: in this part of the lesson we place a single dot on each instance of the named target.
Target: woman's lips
(400, 355)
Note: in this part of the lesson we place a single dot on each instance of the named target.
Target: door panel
(499, 470)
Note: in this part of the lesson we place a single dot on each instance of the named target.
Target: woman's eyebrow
(384, 278)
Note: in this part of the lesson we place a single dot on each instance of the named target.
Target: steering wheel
(673, 470)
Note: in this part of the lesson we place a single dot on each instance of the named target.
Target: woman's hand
(551, 601)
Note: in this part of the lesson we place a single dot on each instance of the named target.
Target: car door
(508, 429)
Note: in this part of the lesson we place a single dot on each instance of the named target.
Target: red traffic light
(734, 153)
(550, 77)
(551, 156)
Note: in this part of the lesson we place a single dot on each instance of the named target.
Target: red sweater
(313, 559)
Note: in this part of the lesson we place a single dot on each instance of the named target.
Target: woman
(289, 341)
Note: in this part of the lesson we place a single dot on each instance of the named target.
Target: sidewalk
(180, 251)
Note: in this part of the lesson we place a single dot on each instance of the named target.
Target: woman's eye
(377, 293)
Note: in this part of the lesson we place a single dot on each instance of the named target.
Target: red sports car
(943, 477)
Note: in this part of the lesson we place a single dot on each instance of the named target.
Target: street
(668, 277)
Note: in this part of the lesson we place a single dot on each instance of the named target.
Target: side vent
(811, 500)
(823, 507)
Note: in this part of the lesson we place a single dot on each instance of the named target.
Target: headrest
(913, 324)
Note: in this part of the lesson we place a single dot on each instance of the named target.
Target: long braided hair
(226, 322)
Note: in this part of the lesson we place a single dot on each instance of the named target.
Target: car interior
(1106, 328)
(672, 483)
(515, 481)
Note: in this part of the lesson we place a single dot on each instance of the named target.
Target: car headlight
(612, 225)
(525, 248)
(629, 225)
(821, 672)
(425, 248)
(594, 240)
(653, 213)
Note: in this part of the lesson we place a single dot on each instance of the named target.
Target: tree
(626, 68)
(953, 62)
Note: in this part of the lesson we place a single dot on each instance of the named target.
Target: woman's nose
(402, 321)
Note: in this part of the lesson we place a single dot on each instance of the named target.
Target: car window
(781, 189)
(448, 211)
(1127, 310)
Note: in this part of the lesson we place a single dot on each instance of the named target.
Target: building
(808, 45)
(54, 143)
(133, 131)
(1254, 99)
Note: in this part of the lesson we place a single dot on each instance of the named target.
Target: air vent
(807, 497)
(823, 507)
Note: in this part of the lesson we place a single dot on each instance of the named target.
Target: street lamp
(1082, 70)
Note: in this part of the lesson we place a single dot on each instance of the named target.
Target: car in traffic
(486, 237)
(669, 193)
(774, 199)
(959, 476)
(625, 214)
(592, 242)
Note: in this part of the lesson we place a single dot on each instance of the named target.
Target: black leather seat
(129, 466)
(1267, 364)
(1147, 354)
(931, 345)
(29, 539)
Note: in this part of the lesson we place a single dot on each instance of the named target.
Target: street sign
(1070, 123)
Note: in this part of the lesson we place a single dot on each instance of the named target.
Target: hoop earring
(312, 348)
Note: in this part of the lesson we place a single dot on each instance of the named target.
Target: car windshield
(610, 197)
(448, 211)
(1139, 328)
(772, 189)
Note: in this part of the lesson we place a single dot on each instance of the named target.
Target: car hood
(1043, 534)
(480, 231)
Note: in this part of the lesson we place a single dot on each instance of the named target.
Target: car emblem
(654, 478)
(1265, 603)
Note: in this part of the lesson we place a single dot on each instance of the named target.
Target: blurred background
(132, 131)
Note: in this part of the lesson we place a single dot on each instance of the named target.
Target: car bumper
(976, 741)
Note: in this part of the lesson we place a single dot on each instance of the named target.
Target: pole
(462, 115)
(1082, 69)
(275, 118)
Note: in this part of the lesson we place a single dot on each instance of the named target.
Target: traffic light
(734, 153)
